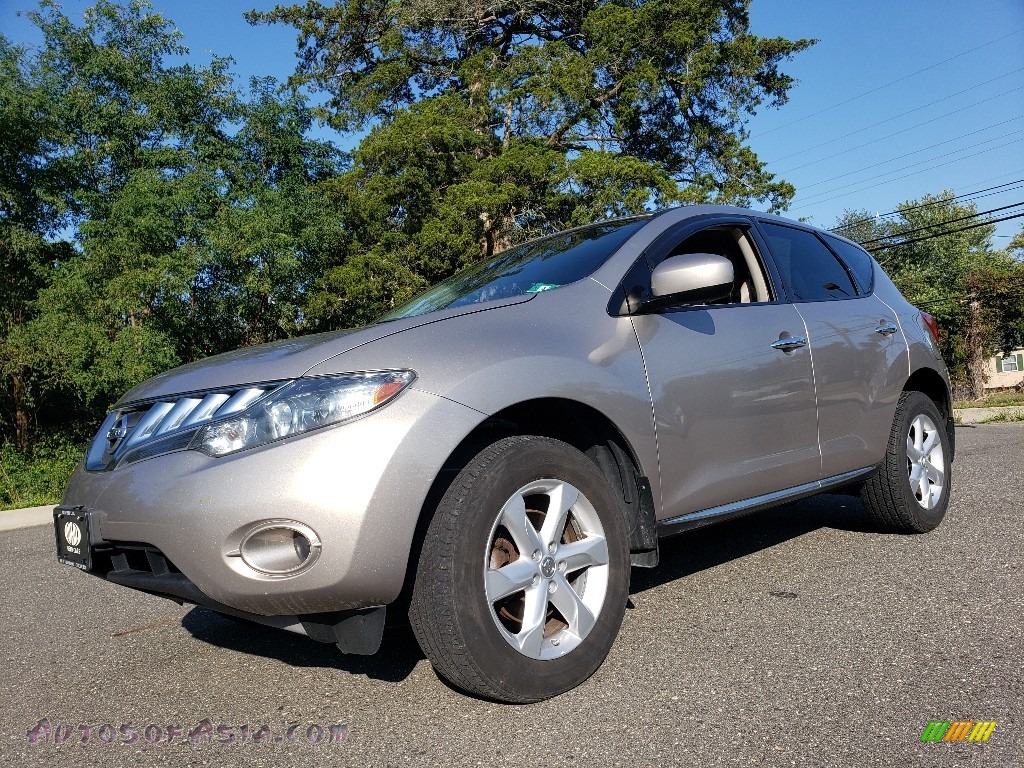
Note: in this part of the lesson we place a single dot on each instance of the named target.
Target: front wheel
(910, 493)
(524, 573)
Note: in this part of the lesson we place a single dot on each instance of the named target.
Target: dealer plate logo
(72, 534)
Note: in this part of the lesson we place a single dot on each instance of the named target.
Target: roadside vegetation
(997, 399)
(1010, 415)
(31, 480)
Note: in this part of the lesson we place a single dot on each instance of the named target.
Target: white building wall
(1006, 378)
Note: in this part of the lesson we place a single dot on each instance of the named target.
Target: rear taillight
(931, 325)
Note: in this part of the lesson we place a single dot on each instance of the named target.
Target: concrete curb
(13, 519)
(978, 415)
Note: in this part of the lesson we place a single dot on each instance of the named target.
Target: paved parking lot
(795, 637)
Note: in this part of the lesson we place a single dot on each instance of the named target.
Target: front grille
(143, 566)
(140, 430)
(124, 557)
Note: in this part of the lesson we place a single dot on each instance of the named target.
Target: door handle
(789, 343)
(886, 328)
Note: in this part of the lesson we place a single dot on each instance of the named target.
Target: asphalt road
(795, 637)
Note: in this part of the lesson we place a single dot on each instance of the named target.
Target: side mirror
(690, 278)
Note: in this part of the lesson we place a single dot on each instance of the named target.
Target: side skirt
(693, 520)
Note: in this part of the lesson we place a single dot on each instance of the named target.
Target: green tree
(266, 240)
(1016, 246)
(130, 129)
(489, 123)
(999, 291)
(945, 263)
(151, 213)
(32, 208)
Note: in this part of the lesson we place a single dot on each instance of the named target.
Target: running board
(692, 520)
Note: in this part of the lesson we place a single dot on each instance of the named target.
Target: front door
(732, 386)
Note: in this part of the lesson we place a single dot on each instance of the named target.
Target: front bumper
(143, 567)
(360, 486)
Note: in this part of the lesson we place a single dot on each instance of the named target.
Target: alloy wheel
(546, 569)
(925, 461)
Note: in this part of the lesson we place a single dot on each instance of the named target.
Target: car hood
(288, 358)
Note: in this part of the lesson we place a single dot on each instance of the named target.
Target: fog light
(280, 548)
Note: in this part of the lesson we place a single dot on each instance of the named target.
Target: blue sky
(897, 100)
(959, 124)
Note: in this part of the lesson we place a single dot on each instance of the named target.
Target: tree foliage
(152, 213)
(32, 206)
(491, 122)
(1016, 246)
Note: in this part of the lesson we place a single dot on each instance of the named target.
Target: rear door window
(809, 269)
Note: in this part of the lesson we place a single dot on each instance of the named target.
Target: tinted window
(858, 260)
(540, 265)
(807, 266)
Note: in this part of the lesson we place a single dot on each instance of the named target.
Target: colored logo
(958, 730)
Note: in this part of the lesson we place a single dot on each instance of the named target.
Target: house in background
(1005, 370)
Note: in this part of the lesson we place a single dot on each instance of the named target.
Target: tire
(910, 493)
(489, 564)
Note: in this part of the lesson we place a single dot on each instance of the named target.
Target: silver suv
(490, 459)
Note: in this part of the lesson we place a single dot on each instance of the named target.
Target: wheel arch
(583, 427)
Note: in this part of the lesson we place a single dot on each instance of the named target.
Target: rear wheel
(910, 493)
(524, 574)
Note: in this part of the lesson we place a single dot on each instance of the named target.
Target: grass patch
(37, 479)
(1005, 416)
(994, 400)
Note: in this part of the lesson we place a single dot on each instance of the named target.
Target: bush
(39, 478)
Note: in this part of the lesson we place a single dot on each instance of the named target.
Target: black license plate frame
(71, 528)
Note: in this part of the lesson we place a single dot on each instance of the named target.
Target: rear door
(734, 408)
(857, 351)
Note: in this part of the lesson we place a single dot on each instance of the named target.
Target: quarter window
(857, 260)
(810, 269)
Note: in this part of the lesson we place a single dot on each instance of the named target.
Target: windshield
(540, 265)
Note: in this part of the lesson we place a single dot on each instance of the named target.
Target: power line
(945, 223)
(889, 181)
(940, 301)
(973, 195)
(897, 133)
(946, 300)
(915, 152)
(950, 232)
(892, 82)
(910, 112)
(943, 302)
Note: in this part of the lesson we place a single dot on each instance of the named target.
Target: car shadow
(398, 654)
(714, 545)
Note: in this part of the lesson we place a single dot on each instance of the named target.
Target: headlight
(301, 406)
